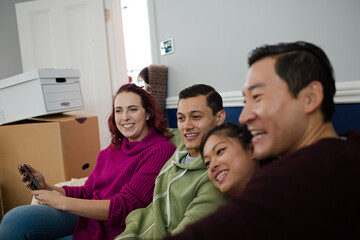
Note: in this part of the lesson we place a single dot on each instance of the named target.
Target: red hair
(149, 103)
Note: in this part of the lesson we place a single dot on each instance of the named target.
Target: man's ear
(251, 151)
(314, 96)
(221, 115)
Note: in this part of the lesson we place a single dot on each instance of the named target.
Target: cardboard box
(60, 146)
(39, 92)
(1, 206)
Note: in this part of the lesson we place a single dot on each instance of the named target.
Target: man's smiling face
(275, 118)
(194, 119)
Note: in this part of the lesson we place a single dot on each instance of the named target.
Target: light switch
(167, 46)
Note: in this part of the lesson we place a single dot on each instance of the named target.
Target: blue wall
(347, 116)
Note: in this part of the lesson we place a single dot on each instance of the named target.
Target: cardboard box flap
(61, 117)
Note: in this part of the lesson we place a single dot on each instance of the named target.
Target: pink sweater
(126, 176)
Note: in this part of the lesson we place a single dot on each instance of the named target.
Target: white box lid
(39, 73)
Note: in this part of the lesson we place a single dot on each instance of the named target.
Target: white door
(70, 34)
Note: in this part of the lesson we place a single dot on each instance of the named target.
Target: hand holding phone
(34, 185)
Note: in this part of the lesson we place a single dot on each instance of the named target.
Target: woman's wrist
(64, 203)
(48, 187)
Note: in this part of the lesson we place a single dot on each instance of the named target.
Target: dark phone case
(34, 183)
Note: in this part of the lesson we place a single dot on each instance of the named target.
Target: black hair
(231, 130)
(213, 98)
(298, 64)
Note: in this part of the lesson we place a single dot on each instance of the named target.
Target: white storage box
(39, 92)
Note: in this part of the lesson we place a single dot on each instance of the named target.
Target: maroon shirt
(313, 193)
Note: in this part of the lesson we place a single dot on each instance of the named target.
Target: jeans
(37, 222)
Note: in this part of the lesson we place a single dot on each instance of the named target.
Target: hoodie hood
(181, 152)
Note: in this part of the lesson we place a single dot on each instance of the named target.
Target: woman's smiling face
(229, 165)
(130, 116)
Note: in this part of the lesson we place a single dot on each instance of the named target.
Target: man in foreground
(183, 192)
(311, 189)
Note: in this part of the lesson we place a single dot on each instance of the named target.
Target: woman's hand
(51, 198)
(39, 177)
(95, 209)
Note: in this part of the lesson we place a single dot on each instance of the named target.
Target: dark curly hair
(148, 102)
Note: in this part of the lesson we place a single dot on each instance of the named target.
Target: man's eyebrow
(196, 111)
(191, 112)
(252, 87)
(256, 85)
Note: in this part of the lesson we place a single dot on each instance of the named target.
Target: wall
(10, 59)
(213, 37)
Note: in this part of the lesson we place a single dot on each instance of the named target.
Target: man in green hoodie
(183, 193)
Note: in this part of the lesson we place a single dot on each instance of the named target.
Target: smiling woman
(228, 156)
(131, 105)
(122, 180)
(130, 116)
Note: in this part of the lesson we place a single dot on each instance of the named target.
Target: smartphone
(34, 185)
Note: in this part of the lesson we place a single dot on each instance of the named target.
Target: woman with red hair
(122, 180)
